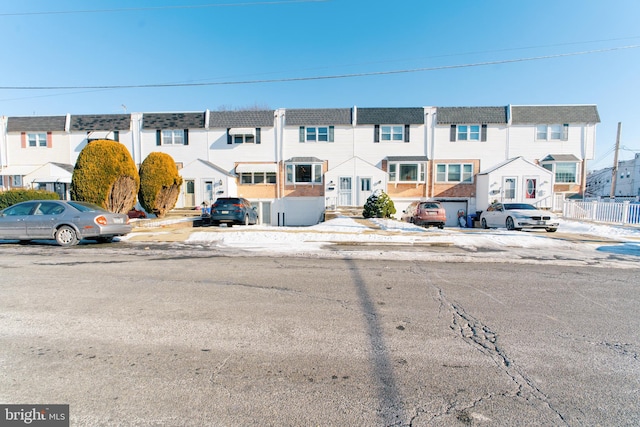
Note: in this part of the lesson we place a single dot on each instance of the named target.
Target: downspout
(508, 141)
(583, 178)
(432, 125)
(207, 120)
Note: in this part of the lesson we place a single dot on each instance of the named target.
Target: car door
(13, 221)
(43, 220)
(493, 215)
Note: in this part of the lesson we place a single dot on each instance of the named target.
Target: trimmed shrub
(106, 175)
(11, 197)
(159, 184)
(379, 205)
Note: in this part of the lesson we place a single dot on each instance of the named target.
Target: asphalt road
(153, 335)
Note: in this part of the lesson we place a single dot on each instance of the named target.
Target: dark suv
(230, 210)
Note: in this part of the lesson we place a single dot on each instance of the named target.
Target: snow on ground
(345, 230)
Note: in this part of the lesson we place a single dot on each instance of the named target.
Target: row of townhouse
(293, 164)
(627, 180)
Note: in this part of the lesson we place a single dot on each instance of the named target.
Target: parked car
(136, 214)
(67, 222)
(425, 213)
(230, 211)
(516, 216)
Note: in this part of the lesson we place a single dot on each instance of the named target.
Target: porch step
(348, 211)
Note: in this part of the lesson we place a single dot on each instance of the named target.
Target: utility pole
(614, 172)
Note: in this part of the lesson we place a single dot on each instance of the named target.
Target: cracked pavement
(144, 336)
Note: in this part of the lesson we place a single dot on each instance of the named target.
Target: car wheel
(484, 223)
(66, 236)
(509, 224)
(551, 230)
(440, 226)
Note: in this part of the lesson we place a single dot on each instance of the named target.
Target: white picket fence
(603, 211)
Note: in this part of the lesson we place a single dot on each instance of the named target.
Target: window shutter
(330, 133)
(376, 133)
(406, 133)
(186, 137)
(301, 134)
(565, 132)
(258, 136)
(116, 135)
(49, 140)
(229, 140)
(483, 135)
(158, 137)
(23, 139)
(452, 133)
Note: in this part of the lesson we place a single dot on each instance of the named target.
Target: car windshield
(523, 206)
(87, 207)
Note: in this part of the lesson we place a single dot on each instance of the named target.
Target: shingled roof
(36, 124)
(173, 120)
(554, 114)
(241, 119)
(103, 122)
(318, 116)
(462, 115)
(391, 116)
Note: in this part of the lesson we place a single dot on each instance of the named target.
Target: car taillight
(237, 205)
(102, 220)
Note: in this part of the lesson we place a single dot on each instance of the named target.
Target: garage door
(452, 208)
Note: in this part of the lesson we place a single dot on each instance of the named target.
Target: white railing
(603, 211)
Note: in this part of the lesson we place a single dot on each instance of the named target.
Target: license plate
(224, 212)
(541, 222)
(118, 220)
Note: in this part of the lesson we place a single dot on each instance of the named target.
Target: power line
(329, 77)
(137, 9)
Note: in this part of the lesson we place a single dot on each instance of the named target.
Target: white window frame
(291, 172)
(466, 173)
(395, 172)
(258, 178)
(244, 139)
(39, 140)
(550, 132)
(316, 133)
(391, 133)
(173, 137)
(468, 132)
(552, 166)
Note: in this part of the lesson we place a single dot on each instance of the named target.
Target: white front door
(364, 190)
(344, 191)
(509, 185)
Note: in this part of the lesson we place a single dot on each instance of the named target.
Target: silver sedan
(516, 216)
(66, 222)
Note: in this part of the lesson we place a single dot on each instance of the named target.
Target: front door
(189, 193)
(364, 191)
(344, 191)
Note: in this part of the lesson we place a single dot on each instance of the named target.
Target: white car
(516, 216)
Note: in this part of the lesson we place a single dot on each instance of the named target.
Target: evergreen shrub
(159, 184)
(106, 175)
(11, 197)
(379, 205)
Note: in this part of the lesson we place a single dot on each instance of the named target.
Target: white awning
(17, 170)
(256, 167)
(47, 179)
(242, 131)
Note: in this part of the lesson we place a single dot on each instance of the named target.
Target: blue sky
(222, 42)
